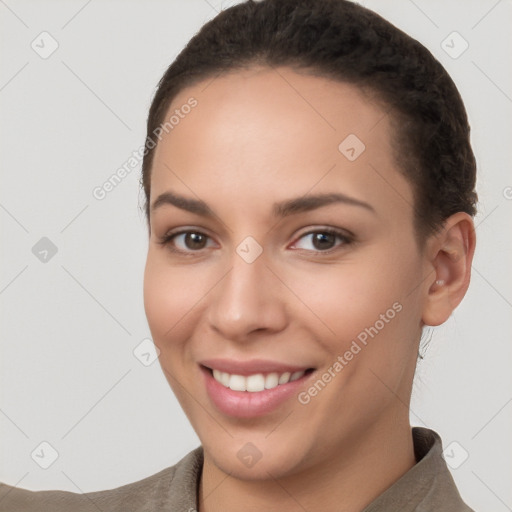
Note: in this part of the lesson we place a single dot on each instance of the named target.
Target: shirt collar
(428, 485)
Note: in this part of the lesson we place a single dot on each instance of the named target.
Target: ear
(449, 257)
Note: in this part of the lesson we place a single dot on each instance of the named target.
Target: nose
(249, 298)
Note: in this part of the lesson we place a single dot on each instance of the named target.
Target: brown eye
(185, 242)
(194, 240)
(322, 240)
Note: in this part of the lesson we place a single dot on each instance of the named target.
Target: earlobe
(449, 268)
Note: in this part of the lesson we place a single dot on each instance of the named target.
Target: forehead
(261, 130)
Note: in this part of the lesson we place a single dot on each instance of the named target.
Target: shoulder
(149, 494)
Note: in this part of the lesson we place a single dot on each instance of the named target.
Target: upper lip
(251, 366)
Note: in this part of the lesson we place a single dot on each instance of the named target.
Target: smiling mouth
(256, 382)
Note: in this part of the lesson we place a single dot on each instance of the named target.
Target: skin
(256, 137)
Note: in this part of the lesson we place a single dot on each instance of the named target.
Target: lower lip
(246, 404)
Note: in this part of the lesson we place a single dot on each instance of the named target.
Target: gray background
(70, 324)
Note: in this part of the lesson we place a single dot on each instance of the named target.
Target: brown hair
(344, 41)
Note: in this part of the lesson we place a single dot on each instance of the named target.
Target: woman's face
(296, 253)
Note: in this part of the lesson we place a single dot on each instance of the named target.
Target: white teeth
(224, 379)
(271, 380)
(221, 377)
(256, 382)
(284, 378)
(237, 383)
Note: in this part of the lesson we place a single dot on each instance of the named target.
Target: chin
(246, 460)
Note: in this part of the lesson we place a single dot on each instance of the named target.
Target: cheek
(171, 307)
(169, 298)
(363, 298)
(347, 297)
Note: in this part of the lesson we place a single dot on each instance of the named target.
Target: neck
(347, 482)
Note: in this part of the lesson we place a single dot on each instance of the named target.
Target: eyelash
(346, 240)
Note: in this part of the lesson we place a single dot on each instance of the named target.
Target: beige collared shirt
(428, 486)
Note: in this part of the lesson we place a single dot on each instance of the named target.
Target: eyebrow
(281, 209)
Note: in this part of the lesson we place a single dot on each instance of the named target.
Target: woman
(309, 188)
